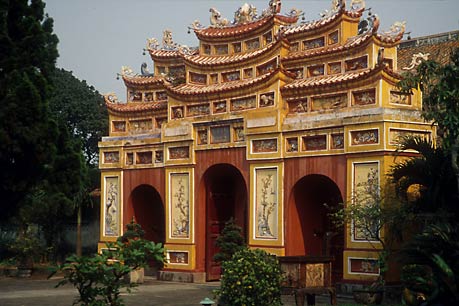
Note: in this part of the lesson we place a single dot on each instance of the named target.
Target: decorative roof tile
(140, 80)
(338, 78)
(112, 103)
(194, 89)
(207, 60)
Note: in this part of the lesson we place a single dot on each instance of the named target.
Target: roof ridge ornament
(357, 6)
(216, 19)
(336, 6)
(245, 14)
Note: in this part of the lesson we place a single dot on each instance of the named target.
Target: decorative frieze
(364, 97)
(231, 76)
(159, 156)
(329, 102)
(111, 157)
(219, 107)
(267, 99)
(316, 70)
(356, 63)
(333, 38)
(177, 112)
(337, 141)
(161, 95)
(135, 96)
(119, 126)
(298, 105)
(334, 68)
(364, 266)
(221, 49)
(292, 144)
(179, 152)
(315, 143)
(314, 43)
(364, 137)
(144, 158)
(198, 78)
(177, 257)
(264, 145)
(248, 73)
(267, 68)
(243, 103)
(252, 44)
(397, 97)
(198, 110)
(140, 126)
(148, 96)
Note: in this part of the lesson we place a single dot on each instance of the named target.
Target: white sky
(97, 37)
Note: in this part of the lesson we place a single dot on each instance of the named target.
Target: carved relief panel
(337, 141)
(112, 209)
(243, 103)
(397, 97)
(365, 97)
(119, 126)
(111, 157)
(314, 43)
(198, 110)
(315, 143)
(364, 137)
(356, 63)
(219, 107)
(298, 106)
(267, 99)
(179, 152)
(140, 126)
(329, 102)
(264, 145)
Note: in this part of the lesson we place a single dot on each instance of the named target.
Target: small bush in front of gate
(230, 241)
(251, 278)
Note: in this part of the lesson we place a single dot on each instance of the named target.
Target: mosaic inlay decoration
(177, 257)
(112, 207)
(179, 153)
(267, 99)
(337, 141)
(334, 68)
(364, 97)
(314, 43)
(356, 63)
(329, 102)
(119, 126)
(364, 266)
(140, 126)
(315, 143)
(364, 137)
(333, 38)
(148, 97)
(198, 110)
(144, 158)
(292, 144)
(298, 106)
(239, 133)
(266, 208)
(198, 78)
(252, 44)
(219, 107)
(264, 145)
(220, 134)
(221, 49)
(161, 95)
(231, 76)
(397, 97)
(111, 157)
(243, 103)
(180, 205)
(316, 70)
(135, 96)
(397, 135)
(266, 68)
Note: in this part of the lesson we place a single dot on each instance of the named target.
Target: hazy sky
(97, 37)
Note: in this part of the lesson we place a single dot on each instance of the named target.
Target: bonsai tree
(377, 217)
(229, 242)
(100, 278)
(251, 278)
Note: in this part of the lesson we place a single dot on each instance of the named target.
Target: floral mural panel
(365, 185)
(397, 97)
(179, 205)
(112, 207)
(266, 206)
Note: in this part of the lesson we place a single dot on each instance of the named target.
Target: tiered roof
(246, 27)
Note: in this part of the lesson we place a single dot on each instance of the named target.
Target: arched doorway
(226, 198)
(313, 196)
(149, 212)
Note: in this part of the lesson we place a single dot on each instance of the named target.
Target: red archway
(226, 198)
(310, 224)
(149, 212)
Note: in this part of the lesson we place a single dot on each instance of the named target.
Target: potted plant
(26, 248)
(377, 217)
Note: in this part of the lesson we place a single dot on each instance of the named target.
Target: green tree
(27, 133)
(82, 108)
(440, 87)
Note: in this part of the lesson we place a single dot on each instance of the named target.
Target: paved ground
(40, 292)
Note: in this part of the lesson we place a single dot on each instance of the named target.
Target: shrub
(100, 278)
(251, 278)
(230, 241)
